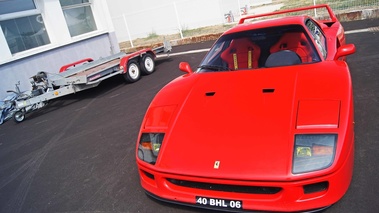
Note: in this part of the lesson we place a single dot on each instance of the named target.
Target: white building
(43, 35)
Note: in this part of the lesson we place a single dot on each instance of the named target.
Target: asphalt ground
(78, 153)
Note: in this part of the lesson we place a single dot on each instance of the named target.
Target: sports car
(265, 123)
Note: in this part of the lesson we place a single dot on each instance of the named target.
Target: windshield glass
(259, 48)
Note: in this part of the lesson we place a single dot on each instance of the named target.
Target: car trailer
(85, 74)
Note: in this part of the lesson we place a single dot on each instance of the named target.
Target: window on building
(79, 16)
(22, 25)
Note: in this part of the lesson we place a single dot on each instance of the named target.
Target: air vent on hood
(268, 90)
(210, 93)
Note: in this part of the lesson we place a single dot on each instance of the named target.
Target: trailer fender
(138, 55)
(73, 64)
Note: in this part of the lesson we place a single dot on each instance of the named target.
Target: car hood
(241, 124)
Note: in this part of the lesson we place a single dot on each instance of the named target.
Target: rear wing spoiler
(331, 14)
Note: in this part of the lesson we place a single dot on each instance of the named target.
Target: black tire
(133, 72)
(147, 64)
(19, 116)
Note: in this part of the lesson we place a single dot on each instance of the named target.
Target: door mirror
(344, 50)
(185, 67)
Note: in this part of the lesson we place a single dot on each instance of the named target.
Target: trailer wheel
(19, 116)
(133, 73)
(147, 64)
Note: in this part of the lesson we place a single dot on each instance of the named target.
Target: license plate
(219, 203)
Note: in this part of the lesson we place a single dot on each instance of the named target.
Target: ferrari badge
(216, 165)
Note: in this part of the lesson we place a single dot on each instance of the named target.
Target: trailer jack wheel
(19, 116)
(133, 73)
(147, 64)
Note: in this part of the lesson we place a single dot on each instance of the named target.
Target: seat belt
(235, 61)
(249, 59)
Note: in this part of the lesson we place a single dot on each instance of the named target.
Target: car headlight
(313, 152)
(149, 146)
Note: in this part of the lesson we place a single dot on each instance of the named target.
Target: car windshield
(259, 48)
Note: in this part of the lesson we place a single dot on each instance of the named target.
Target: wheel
(133, 73)
(19, 116)
(147, 64)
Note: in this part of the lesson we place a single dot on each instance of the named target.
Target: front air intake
(226, 187)
(315, 187)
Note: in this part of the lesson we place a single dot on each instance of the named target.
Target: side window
(317, 36)
(22, 25)
(214, 54)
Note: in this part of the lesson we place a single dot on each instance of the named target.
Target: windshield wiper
(214, 67)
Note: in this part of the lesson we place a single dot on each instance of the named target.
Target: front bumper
(288, 196)
(218, 208)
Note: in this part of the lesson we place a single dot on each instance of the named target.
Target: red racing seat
(241, 54)
(294, 41)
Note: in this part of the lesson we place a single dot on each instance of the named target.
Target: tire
(19, 116)
(133, 73)
(147, 64)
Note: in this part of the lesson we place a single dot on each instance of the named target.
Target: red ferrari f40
(266, 122)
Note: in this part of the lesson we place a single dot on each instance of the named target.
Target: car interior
(262, 48)
(242, 53)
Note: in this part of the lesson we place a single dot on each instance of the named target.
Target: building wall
(62, 49)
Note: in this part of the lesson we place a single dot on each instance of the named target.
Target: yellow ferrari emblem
(216, 165)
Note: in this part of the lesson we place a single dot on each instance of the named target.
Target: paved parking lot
(77, 154)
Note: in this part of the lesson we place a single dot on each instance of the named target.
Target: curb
(358, 15)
